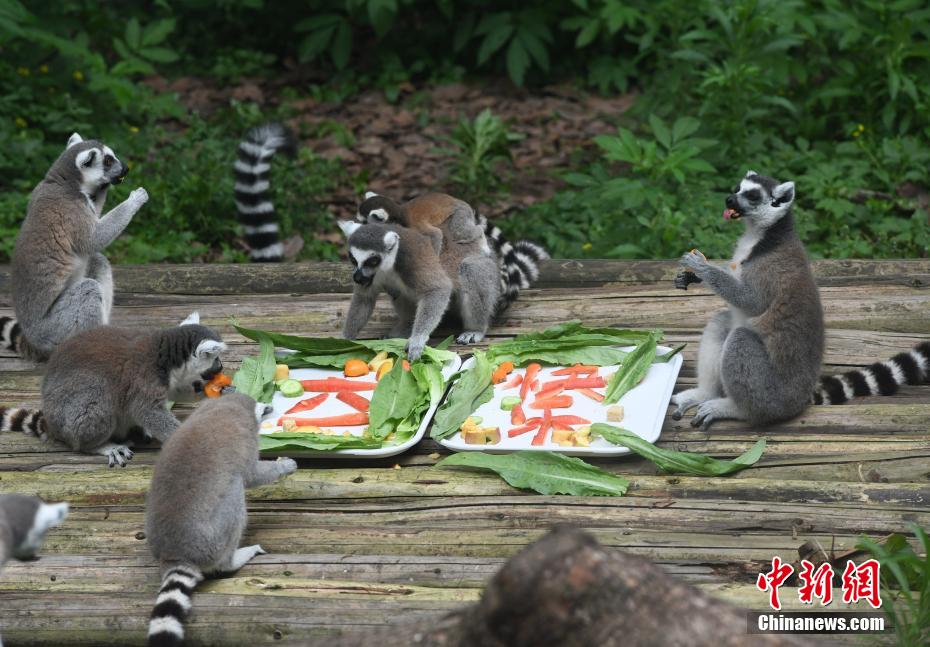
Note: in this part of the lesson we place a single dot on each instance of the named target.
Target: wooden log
(567, 590)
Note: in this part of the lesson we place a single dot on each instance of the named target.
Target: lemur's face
(372, 250)
(97, 164)
(759, 199)
(378, 209)
(186, 382)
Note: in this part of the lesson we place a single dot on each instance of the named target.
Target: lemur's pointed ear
(348, 227)
(390, 240)
(209, 348)
(750, 173)
(783, 193)
(74, 139)
(192, 318)
(370, 194)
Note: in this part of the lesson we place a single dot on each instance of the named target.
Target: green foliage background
(831, 94)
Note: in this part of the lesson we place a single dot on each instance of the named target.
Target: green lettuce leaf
(255, 376)
(288, 441)
(394, 399)
(674, 462)
(544, 472)
(471, 389)
(634, 368)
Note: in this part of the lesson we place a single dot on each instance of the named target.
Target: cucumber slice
(509, 402)
(291, 388)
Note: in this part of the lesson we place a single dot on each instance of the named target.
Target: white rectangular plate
(644, 409)
(333, 407)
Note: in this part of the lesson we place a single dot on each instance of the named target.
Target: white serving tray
(333, 407)
(644, 409)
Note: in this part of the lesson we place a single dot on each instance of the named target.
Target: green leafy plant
(479, 148)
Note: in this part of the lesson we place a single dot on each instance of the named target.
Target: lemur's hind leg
(479, 289)
(462, 225)
(239, 558)
(78, 308)
(710, 354)
(405, 310)
(99, 269)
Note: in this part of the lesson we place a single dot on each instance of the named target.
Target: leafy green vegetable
(333, 351)
(544, 472)
(472, 389)
(394, 399)
(674, 462)
(285, 441)
(632, 371)
(255, 376)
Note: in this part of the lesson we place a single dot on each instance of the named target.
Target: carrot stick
(550, 389)
(570, 420)
(517, 417)
(594, 395)
(501, 373)
(516, 380)
(529, 377)
(354, 400)
(585, 382)
(308, 404)
(530, 425)
(334, 384)
(540, 436)
(554, 402)
(344, 420)
(577, 369)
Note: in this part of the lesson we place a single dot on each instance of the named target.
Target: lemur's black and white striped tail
(519, 262)
(881, 378)
(28, 421)
(11, 335)
(172, 605)
(253, 200)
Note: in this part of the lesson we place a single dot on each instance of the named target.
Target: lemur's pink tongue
(730, 213)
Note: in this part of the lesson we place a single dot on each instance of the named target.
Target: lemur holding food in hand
(103, 383)
(438, 212)
(758, 360)
(195, 512)
(61, 281)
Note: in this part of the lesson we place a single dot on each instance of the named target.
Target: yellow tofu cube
(615, 413)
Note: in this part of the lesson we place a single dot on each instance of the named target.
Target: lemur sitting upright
(105, 382)
(425, 213)
(760, 359)
(433, 213)
(61, 281)
(403, 262)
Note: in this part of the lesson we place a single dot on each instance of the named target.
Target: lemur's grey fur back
(881, 378)
(253, 200)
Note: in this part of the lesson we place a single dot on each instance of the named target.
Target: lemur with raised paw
(195, 512)
(758, 360)
(103, 383)
(61, 281)
(438, 213)
(423, 284)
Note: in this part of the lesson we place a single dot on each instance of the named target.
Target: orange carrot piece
(528, 378)
(308, 404)
(530, 425)
(594, 395)
(540, 437)
(517, 417)
(501, 372)
(335, 384)
(585, 383)
(355, 368)
(344, 420)
(577, 369)
(354, 400)
(570, 420)
(553, 402)
(515, 381)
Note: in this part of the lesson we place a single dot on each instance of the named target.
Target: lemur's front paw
(470, 337)
(288, 465)
(694, 261)
(415, 349)
(139, 197)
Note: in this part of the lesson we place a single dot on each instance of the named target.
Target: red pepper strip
(530, 425)
(515, 381)
(594, 395)
(308, 404)
(345, 420)
(585, 383)
(335, 384)
(540, 437)
(570, 420)
(354, 400)
(555, 402)
(577, 369)
(517, 417)
(531, 371)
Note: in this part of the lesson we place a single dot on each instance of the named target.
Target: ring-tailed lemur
(253, 200)
(759, 360)
(61, 281)
(518, 262)
(195, 512)
(881, 378)
(402, 262)
(103, 383)
(24, 520)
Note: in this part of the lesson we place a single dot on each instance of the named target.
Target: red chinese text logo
(859, 582)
